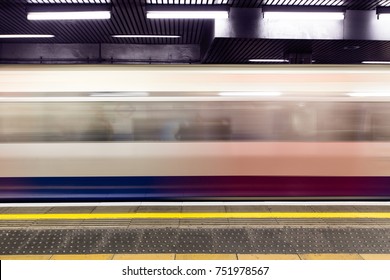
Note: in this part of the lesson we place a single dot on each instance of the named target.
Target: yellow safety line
(234, 215)
(163, 256)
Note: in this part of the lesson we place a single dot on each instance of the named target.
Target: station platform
(195, 232)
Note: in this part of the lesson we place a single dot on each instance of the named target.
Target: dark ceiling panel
(350, 4)
(128, 17)
(238, 51)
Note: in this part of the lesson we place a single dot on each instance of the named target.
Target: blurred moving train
(146, 133)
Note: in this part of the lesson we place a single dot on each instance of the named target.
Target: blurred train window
(204, 129)
(338, 121)
(22, 122)
(194, 121)
(380, 123)
(304, 121)
(259, 121)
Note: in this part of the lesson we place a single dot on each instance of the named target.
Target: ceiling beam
(98, 53)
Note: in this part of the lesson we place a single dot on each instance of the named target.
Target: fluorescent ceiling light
(383, 13)
(269, 60)
(290, 12)
(384, 16)
(68, 15)
(304, 15)
(250, 93)
(188, 14)
(376, 62)
(187, 11)
(369, 94)
(146, 36)
(16, 36)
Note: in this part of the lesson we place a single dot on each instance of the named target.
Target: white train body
(194, 132)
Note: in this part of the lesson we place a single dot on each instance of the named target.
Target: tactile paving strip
(286, 240)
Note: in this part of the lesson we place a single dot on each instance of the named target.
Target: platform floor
(199, 257)
(321, 236)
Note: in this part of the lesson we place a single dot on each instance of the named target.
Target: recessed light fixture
(369, 94)
(303, 13)
(187, 12)
(68, 12)
(68, 15)
(188, 15)
(146, 36)
(376, 62)
(269, 60)
(18, 36)
(383, 13)
(303, 16)
(250, 93)
(384, 16)
(351, 48)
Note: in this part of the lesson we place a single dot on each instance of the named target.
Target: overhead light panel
(68, 15)
(146, 36)
(303, 13)
(376, 62)
(187, 15)
(68, 12)
(383, 13)
(23, 36)
(268, 60)
(187, 12)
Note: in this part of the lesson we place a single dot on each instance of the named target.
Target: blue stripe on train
(188, 187)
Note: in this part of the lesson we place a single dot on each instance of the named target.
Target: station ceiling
(357, 40)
